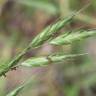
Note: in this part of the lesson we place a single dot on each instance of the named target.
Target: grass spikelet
(44, 61)
(72, 37)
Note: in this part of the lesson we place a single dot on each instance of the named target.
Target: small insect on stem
(14, 68)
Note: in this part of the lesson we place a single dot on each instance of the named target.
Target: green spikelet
(72, 37)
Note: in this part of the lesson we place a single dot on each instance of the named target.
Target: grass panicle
(38, 41)
(41, 38)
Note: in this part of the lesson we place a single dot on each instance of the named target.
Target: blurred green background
(20, 21)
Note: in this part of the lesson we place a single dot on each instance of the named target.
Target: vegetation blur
(38, 70)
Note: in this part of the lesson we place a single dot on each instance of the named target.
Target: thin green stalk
(17, 90)
(85, 18)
